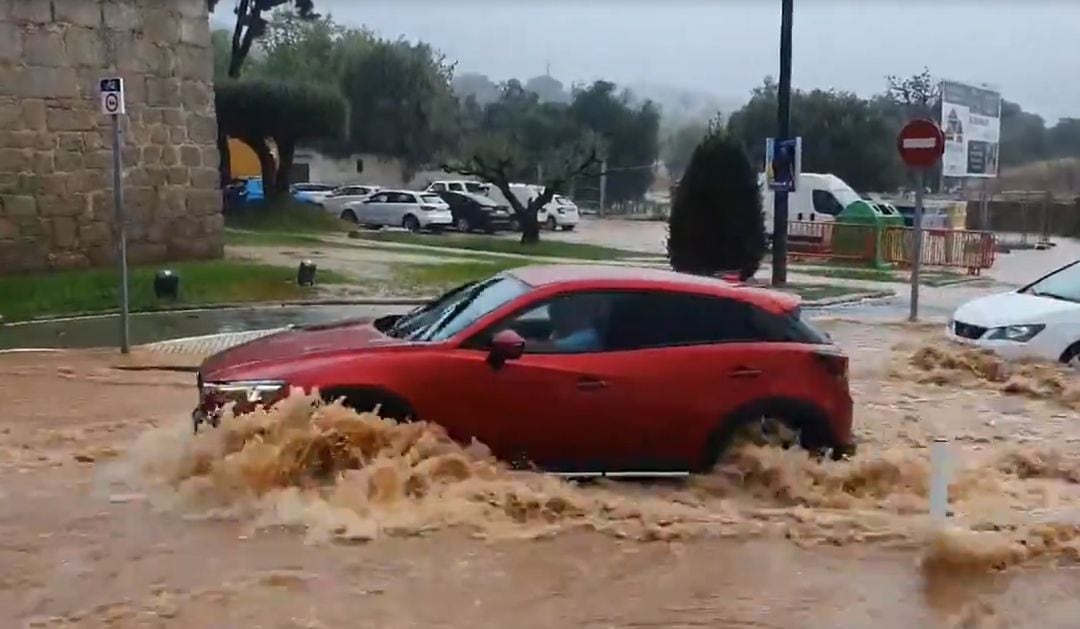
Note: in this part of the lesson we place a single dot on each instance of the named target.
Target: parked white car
(1041, 320)
(560, 213)
(335, 201)
(402, 208)
(311, 192)
(459, 185)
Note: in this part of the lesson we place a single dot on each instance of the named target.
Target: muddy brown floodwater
(114, 515)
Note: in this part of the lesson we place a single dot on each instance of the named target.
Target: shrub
(716, 222)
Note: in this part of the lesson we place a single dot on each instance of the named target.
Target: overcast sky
(1030, 49)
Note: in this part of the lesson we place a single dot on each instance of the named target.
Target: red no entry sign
(921, 143)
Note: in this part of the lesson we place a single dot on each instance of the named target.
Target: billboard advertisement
(971, 119)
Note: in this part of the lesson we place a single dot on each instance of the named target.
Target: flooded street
(118, 517)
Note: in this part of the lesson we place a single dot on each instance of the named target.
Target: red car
(575, 368)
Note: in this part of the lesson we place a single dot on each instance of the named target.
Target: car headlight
(1015, 333)
(251, 391)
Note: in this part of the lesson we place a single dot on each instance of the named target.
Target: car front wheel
(411, 223)
(1071, 356)
(349, 215)
(463, 226)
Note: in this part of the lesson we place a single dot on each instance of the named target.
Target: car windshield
(431, 198)
(313, 187)
(846, 196)
(458, 309)
(1062, 284)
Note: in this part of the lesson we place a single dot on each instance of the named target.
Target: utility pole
(603, 185)
(783, 123)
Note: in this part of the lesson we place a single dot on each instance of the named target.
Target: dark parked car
(476, 212)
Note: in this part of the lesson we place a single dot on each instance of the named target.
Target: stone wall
(56, 208)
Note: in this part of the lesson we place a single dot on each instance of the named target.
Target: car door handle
(590, 384)
(744, 372)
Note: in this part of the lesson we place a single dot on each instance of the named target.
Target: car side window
(649, 320)
(825, 203)
(439, 187)
(567, 324)
(379, 198)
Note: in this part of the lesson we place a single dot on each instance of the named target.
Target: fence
(969, 250)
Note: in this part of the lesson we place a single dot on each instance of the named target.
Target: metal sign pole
(121, 231)
(916, 249)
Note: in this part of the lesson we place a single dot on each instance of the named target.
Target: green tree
(250, 25)
(716, 222)
(257, 111)
(680, 145)
(631, 133)
(497, 157)
(400, 101)
(1024, 137)
(310, 49)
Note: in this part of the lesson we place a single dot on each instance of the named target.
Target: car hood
(295, 343)
(1013, 309)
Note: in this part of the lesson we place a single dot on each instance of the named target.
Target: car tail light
(836, 363)
(428, 208)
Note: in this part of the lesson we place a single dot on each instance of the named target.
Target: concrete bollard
(940, 470)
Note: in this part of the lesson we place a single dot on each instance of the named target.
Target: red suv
(575, 368)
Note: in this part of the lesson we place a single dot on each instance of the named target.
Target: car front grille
(968, 331)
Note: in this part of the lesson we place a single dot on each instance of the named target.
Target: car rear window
(431, 198)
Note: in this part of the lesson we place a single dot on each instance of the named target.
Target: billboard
(971, 119)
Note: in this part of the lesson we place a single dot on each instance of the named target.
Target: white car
(1041, 320)
(402, 208)
(560, 213)
(335, 201)
(311, 192)
(459, 185)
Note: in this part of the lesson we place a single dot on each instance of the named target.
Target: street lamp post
(783, 122)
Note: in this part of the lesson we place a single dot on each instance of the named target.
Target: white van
(817, 198)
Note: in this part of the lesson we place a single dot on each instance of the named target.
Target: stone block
(211, 157)
(64, 232)
(8, 183)
(90, 181)
(205, 178)
(170, 156)
(32, 11)
(44, 162)
(159, 134)
(178, 134)
(144, 252)
(178, 176)
(85, 47)
(33, 114)
(163, 92)
(173, 116)
(94, 233)
(77, 12)
(213, 223)
(37, 82)
(11, 115)
(122, 16)
(51, 206)
(54, 184)
(43, 47)
(71, 142)
(69, 161)
(191, 8)
(16, 160)
(203, 202)
(190, 156)
(67, 260)
(19, 139)
(196, 31)
(100, 159)
(195, 95)
(161, 26)
(157, 175)
(8, 229)
(71, 119)
(11, 42)
(94, 140)
(151, 155)
(202, 128)
(195, 63)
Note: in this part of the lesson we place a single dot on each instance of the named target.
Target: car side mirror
(505, 346)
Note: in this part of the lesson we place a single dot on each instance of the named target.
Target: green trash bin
(859, 231)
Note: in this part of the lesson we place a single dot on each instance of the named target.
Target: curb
(848, 299)
(359, 301)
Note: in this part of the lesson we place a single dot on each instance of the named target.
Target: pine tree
(716, 222)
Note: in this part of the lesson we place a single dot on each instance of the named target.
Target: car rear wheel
(552, 224)
(349, 215)
(568, 228)
(462, 224)
(411, 223)
(515, 225)
(781, 423)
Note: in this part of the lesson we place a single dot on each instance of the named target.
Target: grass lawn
(432, 279)
(286, 218)
(95, 290)
(843, 271)
(544, 248)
